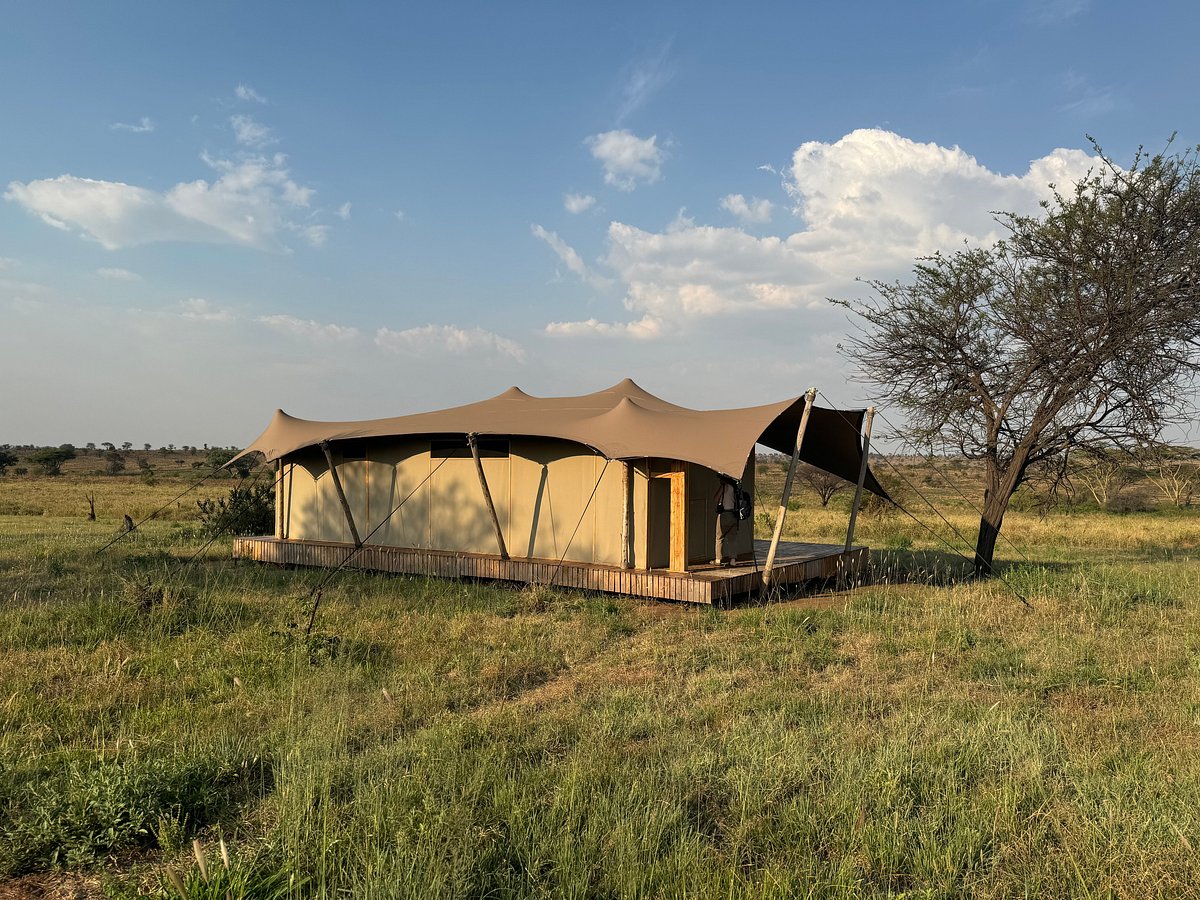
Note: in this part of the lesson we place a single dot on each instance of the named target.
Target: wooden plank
(678, 522)
(799, 562)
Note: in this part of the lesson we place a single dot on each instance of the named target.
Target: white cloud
(754, 210)
(399, 215)
(646, 328)
(245, 92)
(113, 274)
(578, 203)
(627, 159)
(250, 133)
(1053, 12)
(200, 310)
(314, 234)
(433, 339)
(644, 79)
(871, 203)
(249, 203)
(343, 212)
(142, 126)
(569, 257)
(7, 262)
(309, 328)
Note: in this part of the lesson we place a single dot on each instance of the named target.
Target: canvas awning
(623, 422)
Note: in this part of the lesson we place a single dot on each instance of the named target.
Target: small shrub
(248, 509)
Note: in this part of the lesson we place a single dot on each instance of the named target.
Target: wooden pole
(337, 483)
(862, 476)
(787, 486)
(626, 512)
(279, 498)
(487, 495)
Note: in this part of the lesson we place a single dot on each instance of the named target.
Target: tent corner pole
(337, 484)
(472, 440)
(626, 513)
(809, 398)
(862, 476)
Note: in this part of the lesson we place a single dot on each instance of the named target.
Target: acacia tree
(1080, 328)
(826, 484)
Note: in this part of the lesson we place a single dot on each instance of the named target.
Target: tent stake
(787, 486)
(337, 483)
(862, 476)
(626, 511)
(487, 494)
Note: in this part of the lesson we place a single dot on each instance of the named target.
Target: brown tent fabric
(624, 421)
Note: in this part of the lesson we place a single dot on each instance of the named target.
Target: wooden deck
(795, 563)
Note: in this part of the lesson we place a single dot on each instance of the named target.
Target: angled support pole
(626, 513)
(337, 484)
(472, 440)
(809, 398)
(862, 476)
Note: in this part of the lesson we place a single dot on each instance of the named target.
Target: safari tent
(617, 490)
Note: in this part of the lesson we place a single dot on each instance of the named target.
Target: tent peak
(514, 393)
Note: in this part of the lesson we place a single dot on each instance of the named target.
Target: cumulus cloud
(430, 340)
(142, 126)
(870, 203)
(200, 310)
(113, 274)
(309, 328)
(343, 212)
(754, 210)
(578, 203)
(250, 133)
(249, 202)
(646, 328)
(571, 259)
(627, 160)
(245, 92)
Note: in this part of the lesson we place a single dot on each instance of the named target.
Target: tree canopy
(1079, 329)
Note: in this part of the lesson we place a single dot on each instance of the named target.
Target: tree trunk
(1001, 485)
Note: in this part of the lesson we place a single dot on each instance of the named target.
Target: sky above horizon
(350, 211)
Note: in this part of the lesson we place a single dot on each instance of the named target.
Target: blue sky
(351, 211)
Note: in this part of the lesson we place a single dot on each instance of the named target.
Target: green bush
(249, 509)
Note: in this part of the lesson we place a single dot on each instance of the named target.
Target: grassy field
(920, 736)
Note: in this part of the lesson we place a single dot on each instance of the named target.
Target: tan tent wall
(540, 493)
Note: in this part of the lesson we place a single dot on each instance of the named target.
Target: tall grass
(918, 736)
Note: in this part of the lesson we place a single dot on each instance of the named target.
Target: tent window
(457, 447)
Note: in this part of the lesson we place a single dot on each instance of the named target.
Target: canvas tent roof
(621, 422)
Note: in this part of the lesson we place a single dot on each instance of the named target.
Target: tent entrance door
(666, 530)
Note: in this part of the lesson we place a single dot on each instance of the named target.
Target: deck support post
(626, 513)
(472, 440)
(862, 476)
(337, 484)
(809, 398)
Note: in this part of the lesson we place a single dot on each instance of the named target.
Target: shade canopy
(623, 422)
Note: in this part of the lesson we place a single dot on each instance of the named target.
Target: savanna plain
(166, 727)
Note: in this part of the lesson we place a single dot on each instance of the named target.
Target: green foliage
(222, 456)
(114, 462)
(50, 460)
(85, 808)
(248, 509)
(7, 458)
